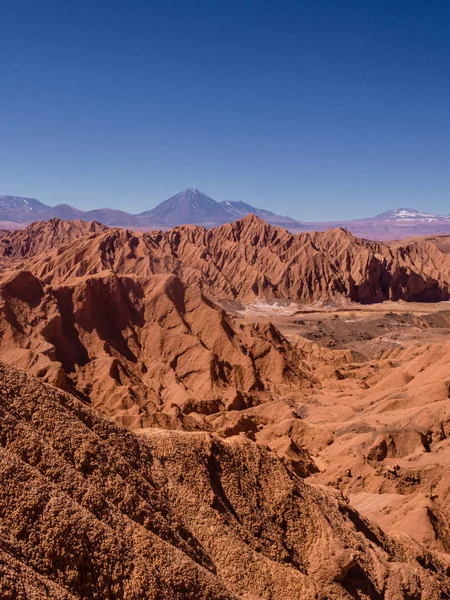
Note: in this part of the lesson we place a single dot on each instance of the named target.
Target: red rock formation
(138, 347)
(249, 259)
(44, 235)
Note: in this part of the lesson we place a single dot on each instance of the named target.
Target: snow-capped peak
(408, 215)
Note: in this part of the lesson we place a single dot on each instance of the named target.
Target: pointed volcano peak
(191, 198)
(194, 207)
(190, 192)
(191, 206)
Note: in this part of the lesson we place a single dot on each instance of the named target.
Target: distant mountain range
(194, 207)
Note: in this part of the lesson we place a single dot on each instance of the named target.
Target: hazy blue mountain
(192, 206)
(22, 210)
(189, 206)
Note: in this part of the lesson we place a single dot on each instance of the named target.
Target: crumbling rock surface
(89, 509)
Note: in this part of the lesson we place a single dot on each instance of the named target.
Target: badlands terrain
(237, 412)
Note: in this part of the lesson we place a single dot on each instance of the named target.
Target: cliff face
(126, 320)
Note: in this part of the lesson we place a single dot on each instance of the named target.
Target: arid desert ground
(228, 413)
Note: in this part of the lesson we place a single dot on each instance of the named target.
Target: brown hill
(91, 510)
(249, 259)
(146, 351)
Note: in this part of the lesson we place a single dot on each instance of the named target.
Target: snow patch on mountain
(410, 215)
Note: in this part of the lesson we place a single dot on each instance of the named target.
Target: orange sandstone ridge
(241, 260)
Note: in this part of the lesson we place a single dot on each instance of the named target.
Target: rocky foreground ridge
(91, 510)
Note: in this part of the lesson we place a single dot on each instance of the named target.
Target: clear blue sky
(317, 109)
